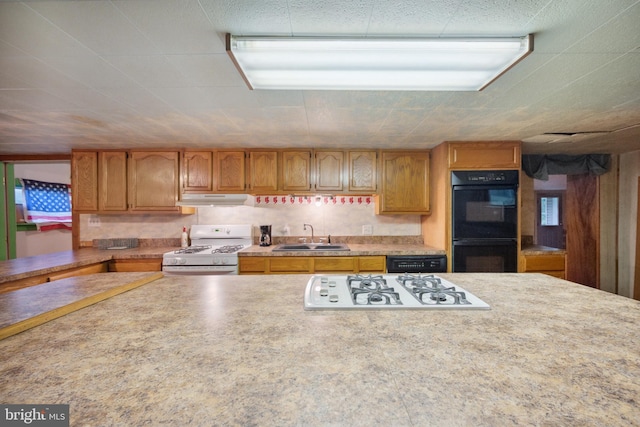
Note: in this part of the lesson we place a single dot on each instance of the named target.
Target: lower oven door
(202, 270)
(480, 256)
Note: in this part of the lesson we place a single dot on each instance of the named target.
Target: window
(550, 211)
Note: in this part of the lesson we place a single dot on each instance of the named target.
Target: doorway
(567, 217)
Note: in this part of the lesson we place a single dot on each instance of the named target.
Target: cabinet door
(229, 170)
(405, 183)
(335, 264)
(252, 265)
(484, 155)
(197, 173)
(296, 170)
(84, 180)
(363, 171)
(113, 180)
(153, 181)
(286, 265)
(372, 263)
(263, 171)
(329, 170)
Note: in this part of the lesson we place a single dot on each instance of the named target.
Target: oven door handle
(485, 242)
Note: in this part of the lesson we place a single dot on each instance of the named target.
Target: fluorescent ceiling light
(331, 63)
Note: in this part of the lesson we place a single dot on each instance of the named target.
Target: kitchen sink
(311, 247)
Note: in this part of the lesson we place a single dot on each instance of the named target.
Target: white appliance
(214, 250)
(402, 291)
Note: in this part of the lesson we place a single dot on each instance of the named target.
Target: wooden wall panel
(583, 230)
(635, 294)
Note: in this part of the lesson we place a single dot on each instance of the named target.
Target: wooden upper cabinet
(153, 180)
(229, 171)
(84, 177)
(263, 172)
(363, 171)
(329, 167)
(404, 183)
(197, 171)
(113, 180)
(485, 155)
(296, 170)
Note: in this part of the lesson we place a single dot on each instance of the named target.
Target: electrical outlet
(94, 221)
(367, 230)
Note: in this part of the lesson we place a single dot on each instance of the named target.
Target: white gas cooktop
(402, 291)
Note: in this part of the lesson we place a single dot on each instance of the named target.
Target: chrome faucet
(305, 228)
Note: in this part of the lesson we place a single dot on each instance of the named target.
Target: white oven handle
(200, 269)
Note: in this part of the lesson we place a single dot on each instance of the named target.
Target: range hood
(198, 200)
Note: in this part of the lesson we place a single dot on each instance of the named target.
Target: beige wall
(340, 220)
(629, 170)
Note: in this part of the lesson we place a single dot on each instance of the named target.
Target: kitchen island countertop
(225, 350)
(21, 268)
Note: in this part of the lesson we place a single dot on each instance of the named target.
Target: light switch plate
(367, 230)
(94, 221)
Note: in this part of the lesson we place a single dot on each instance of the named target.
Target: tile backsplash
(337, 219)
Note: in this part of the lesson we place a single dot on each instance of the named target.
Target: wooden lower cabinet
(135, 265)
(50, 277)
(552, 264)
(310, 264)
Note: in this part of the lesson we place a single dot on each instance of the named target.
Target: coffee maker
(265, 235)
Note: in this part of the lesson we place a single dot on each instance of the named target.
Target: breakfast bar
(241, 350)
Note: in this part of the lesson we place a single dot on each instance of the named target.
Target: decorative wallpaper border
(317, 200)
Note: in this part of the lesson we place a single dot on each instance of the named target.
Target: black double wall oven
(485, 221)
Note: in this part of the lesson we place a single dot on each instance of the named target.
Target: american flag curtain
(47, 204)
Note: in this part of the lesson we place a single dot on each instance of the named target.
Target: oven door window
(485, 257)
(485, 212)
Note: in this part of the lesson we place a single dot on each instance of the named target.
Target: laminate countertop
(542, 250)
(240, 350)
(355, 249)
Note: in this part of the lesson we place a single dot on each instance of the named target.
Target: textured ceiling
(154, 73)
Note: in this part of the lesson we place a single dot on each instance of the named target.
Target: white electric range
(401, 291)
(214, 250)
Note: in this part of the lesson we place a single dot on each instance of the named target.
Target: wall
(629, 170)
(337, 219)
(29, 243)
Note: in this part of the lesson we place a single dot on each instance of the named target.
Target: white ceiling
(155, 73)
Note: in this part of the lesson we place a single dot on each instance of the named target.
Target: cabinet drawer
(544, 263)
(335, 264)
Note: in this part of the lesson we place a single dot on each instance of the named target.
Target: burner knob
(173, 261)
(183, 261)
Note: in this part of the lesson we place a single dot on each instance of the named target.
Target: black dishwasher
(416, 263)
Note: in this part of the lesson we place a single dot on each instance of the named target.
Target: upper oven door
(485, 211)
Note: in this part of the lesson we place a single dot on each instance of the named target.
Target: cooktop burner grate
(368, 290)
(192, 249)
